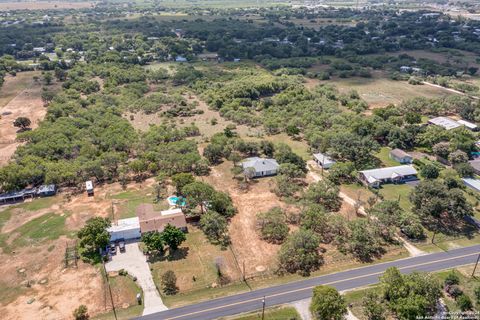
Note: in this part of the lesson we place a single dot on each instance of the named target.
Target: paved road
(251, 301)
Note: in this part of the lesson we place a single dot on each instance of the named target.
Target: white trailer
(89, 188)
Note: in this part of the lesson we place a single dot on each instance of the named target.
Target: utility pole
(263, 308)
(476, 264)
(110, 291)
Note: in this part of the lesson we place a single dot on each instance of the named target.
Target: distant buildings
(261, 167)
(42, 191)
(376, 177)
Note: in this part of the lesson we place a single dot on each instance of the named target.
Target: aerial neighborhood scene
(240, 159)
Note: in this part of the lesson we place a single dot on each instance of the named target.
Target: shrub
(81, 313)
(169, 283)
(452, 279)
(464, 302)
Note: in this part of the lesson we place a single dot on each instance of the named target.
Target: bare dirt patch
(247, 245)
(54, 292)
(44, 5)
(22, 99)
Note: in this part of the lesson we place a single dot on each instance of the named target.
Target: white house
(376, 177)
(126, 229)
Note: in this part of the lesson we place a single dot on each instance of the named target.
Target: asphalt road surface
(286, 293)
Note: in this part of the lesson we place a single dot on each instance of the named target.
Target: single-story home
(323, 160)
(472, 183)
(126, 229)
(376, 177)
(262, 167)
(151, 220)
(400, 156)
(449, 123)
(147, 220)
(445, 122)
(475, 165)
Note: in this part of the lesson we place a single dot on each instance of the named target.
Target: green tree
(215, 227)
(373, 307)
(47, 78)
(169, 283)
(173, 237)
(197, 194)
(315, 218)
(22, 122)
(81, 313)
(429, 171)
(327, 304)
(153, 241)
(94, 236)
(300, 253)
(182, 179)
(324, 193)
(272, 225)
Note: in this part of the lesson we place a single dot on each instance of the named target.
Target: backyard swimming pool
(173, 201)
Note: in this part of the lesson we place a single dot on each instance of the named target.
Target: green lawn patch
(128, 202)
(194, 265)
(50, 226)
(396, 192)
(384, 156)
(280, 313)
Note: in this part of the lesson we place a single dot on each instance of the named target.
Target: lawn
(397, 192)
(195, 265)
(384, 156)
(298, 146)
(49, 226)
(126, 203)
(279, 313)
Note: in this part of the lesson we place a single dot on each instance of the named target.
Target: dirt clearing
(21, 97)
(258, 255)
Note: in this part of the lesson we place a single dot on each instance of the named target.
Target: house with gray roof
(262, 167)
(376, 177)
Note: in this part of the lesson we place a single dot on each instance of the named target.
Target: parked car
(113, 249)
(121, 245)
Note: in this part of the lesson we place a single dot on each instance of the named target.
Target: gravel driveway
(135, 263)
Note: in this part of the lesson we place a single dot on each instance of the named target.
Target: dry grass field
(380, 91)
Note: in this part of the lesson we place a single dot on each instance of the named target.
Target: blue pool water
(172, 200)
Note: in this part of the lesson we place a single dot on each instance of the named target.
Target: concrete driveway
(135, 263)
